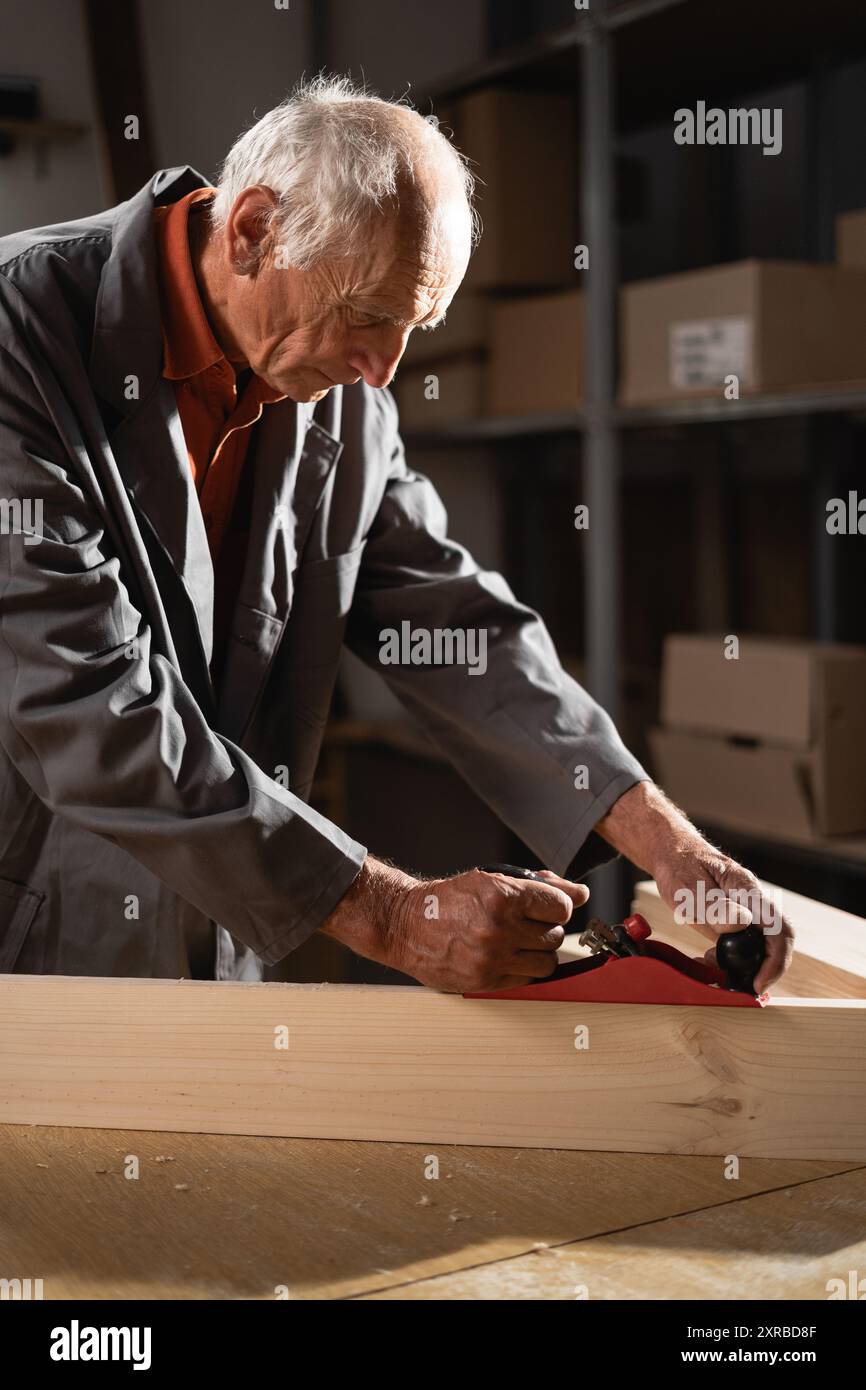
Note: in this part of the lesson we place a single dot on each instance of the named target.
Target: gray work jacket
(139, 805)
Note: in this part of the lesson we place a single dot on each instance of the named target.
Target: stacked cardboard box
(536, 354)
(521, 146)
(775, 325)
(455, 353)
(771, 740)
(523, 150)
(534, 363)
(441, 393)
(463, 334)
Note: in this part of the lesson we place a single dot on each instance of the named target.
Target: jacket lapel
(147, 440)
(151, 454)
(288, 487)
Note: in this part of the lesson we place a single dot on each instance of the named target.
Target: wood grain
(229, 1217)
(393, 1063)
(786, 1244)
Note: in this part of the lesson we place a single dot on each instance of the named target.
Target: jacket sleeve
(527, 738)
(103, 727)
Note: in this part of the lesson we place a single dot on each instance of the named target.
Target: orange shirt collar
(189, 344)
(188, 341)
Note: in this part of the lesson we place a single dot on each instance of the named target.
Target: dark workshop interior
(646, 409)
(707, 516)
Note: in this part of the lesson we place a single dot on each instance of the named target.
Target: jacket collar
(126, 354)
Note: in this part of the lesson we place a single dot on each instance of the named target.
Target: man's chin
(305, 395)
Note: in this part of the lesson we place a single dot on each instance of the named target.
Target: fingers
(726, 914)
(526, 968)
(536, 964)
(578, 892)
(538, 901)
(551, 901)
(492, 931)
(780, 949)
(767, 914)
(534, 936)
(736, 914)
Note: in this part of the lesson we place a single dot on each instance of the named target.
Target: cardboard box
(720, 783)
(851, 240)
(775, 739)
(536, 354)
(523, 150)
(460, 387)
(466, 331)
(776, 325)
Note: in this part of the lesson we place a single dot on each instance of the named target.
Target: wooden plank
(230, 1217)
(830, 957)
(787, 1244)
(399, 1063)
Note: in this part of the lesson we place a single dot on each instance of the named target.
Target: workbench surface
(223, 1217)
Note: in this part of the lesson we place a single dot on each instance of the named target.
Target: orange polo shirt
(217, 419)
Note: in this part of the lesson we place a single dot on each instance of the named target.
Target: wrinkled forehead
(435, 214)
(433, 242)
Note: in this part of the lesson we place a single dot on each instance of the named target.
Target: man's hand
(693, 877)
(476, 931)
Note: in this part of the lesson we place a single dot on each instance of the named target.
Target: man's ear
(248, 232)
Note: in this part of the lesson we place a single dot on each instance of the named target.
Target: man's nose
(377, 362)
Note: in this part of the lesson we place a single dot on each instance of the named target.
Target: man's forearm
(645, 827)
(366, 918)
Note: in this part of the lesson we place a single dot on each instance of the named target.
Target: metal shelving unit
(586, 48)
(834, 400)
(698, 411)
(605, 51)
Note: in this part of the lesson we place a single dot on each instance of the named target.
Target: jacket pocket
(18, 907)
(324, 591)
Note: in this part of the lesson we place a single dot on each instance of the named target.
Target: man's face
(306, 331)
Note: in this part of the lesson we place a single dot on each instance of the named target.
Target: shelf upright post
(601, 442)
(601, 462)
(824, 434)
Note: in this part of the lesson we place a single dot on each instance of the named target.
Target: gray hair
(335, 156)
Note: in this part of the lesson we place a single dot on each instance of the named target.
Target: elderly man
(213, 498)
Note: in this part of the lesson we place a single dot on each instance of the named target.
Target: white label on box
(705, 351)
